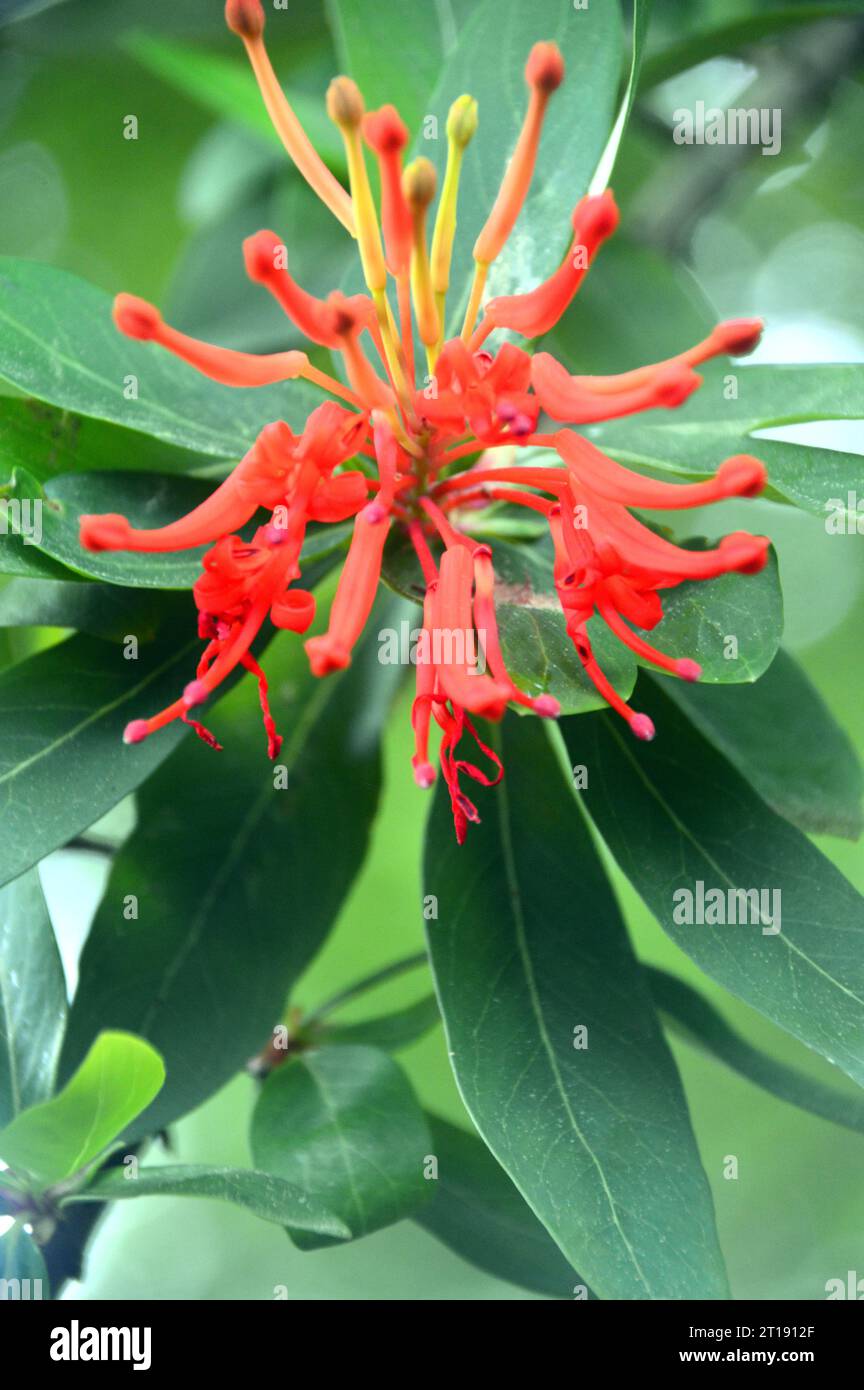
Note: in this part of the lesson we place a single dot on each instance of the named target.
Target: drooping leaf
(554, 1041)
(63, 762)
(781, 737)
(683, 824)
(577, 124)
(711, 426)
(701, 1024)
(342, 1123)
(116, 1080)
(237, 871)
(32, 997)
(477, 1212)
(58, 343)
(266, 1196)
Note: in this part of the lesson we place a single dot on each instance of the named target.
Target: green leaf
(527, 950)
(266, 1196)
(227, 87)
(700, 615)
(606, 163)
(372, 42)
(343, 1124)
(675, 814)
(237, 880)
(694, 439)
(390, 1031)
(21, 1261)
(46, 441)
(703, 1025)
(63, 762)
(477, 1212)
(99, 609)
(58, 343)
(32, 997)
(116, 1081)
(728, 38)
(488, 61)
(781, 737)
(147, 500)
(539, 654)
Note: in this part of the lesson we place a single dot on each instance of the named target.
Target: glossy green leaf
(537, 650)
(343, 1124)
(703, 1026)
(237, 871)
(676, 815)
(46, 441)
(116, 1081)
(227, 87)
(781, 737)
(266, 1196)
(694, 439)
(578, 121)
(32, 997)
(23, 1275)
(58, 343)
(528, 949)
(477, 1212)
(102, 610)
(389, 1031)
(63, 762)
(700, 616)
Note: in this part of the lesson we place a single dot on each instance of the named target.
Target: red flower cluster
(606, 561)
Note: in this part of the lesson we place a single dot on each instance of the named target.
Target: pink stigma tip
(424, 775)
(547, 707)
(374, 513)
(688, 670)
(194, 694)
(136, 731)
(642, 727)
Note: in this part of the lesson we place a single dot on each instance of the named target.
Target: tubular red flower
(594, 219)
(138, 319)
(266, 262)
(741, 476)
(355, 593)
(567, 398)
(544, 72)
(386, 134)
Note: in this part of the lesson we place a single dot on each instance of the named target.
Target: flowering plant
(422, 440)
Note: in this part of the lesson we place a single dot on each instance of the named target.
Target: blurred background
(707, 232)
